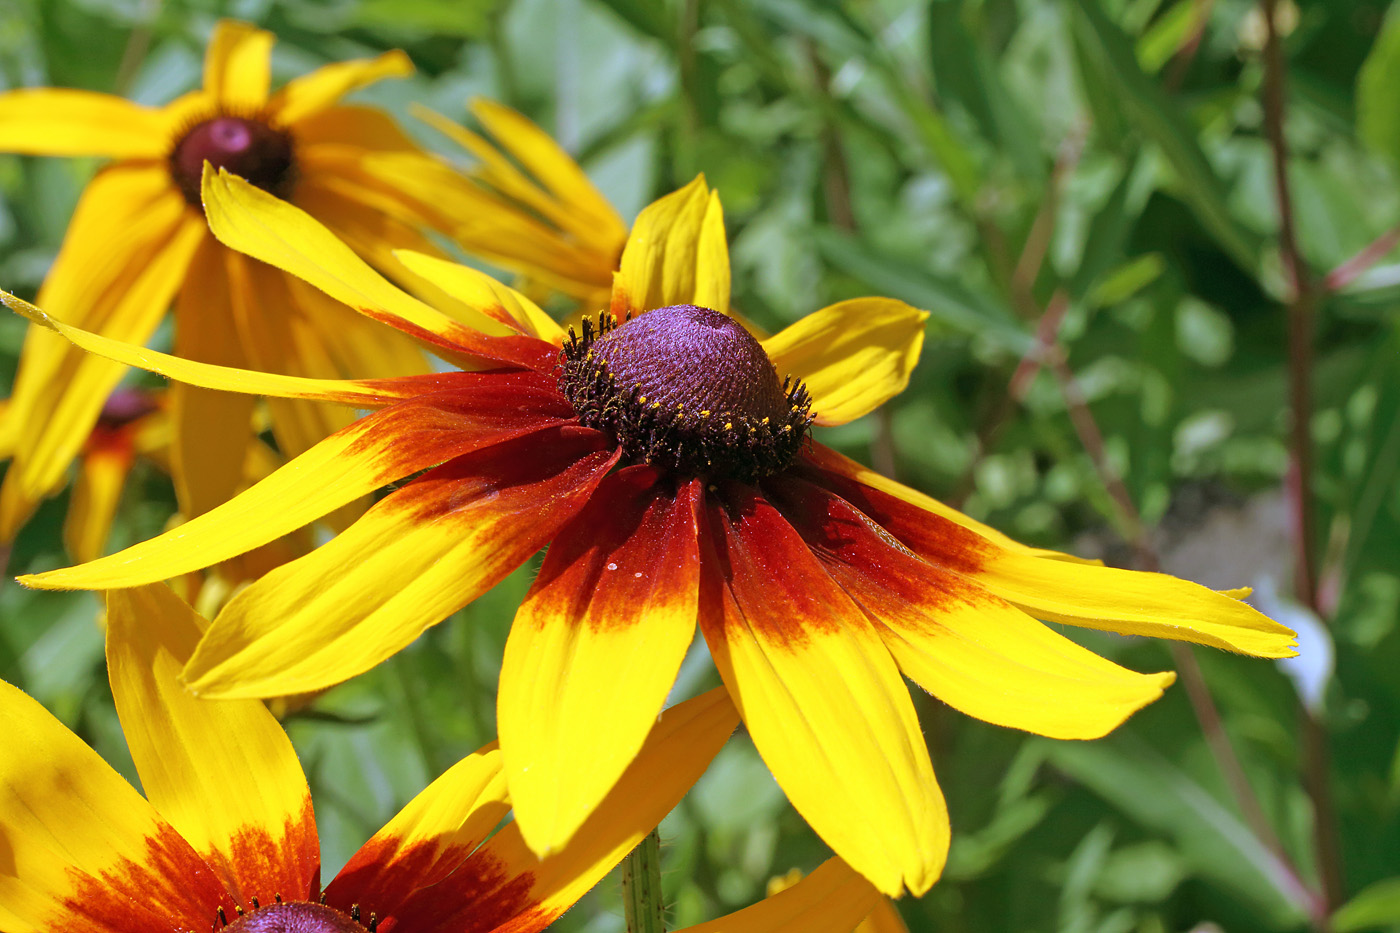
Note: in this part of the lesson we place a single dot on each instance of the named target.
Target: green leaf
(1152, 790)
(1158, 118)
(946, 301)
(1377, 906)
(1378, 92)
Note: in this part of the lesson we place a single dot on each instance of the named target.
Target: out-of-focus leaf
(1157, 118)
(1127, 280)
(1152, 790)
(1376, 907)
(463, 18)
(648, 17)
(1168, 32)
(964, 72)
(1378, 92)
(946, 301)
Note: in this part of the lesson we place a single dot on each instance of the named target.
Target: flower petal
(854, 356)
(363, 393)
(380, 448)
(820, 695)
(832, 899)
(676, 255)
(1130, 602)
(237, 70)
(428, 839)
(102, 473)
(595, 648)
(971, 649)
(254, 222)
(413, 559)
(309, 94)
(65, 122)
(243, 805)
(212, 429)
(83, 850)
(478, 290)
(884, 918)
(504, 886)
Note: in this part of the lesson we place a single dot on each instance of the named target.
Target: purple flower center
(248, 148)
(125, 405)
(688, 390)
(296, 917)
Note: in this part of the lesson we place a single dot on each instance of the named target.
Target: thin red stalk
(1302, 305)
(1346, 273)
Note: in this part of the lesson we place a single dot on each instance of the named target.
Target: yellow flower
(226, 836)
(664, 460)
(138, 241)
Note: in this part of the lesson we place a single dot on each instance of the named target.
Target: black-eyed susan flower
(138, 242)
(663, 455)
(225, 838)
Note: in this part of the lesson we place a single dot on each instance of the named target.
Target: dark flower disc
(248, 148)
(295, 917)
(686, 389)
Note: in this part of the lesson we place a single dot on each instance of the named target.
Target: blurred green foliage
(987, 160)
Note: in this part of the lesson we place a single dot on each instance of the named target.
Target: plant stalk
(642, 899)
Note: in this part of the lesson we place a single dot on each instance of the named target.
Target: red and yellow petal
(832, 899)
(84, 852)
(478, 290)
(254, 222)
(67, 122)
(428, 839)
(237, 67)
(853, 356)
(966, 646)
(504, 886)
(1130, 602)
(595, 648)
(820, 695)
(676, 254)
(413, 559)
(378, 449)
(313, 93)
(241, 801)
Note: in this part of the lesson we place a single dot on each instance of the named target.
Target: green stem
(641, 887)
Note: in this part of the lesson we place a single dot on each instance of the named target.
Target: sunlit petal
(237, 70)
(66, 122)
(854, 356)
(311, 93)
(595, 648)
(820, 695)
(243, 805)
(832, 899)
(676, 254)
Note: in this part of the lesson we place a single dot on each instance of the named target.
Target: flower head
(226, 835)
(138, 241)
(815, 583)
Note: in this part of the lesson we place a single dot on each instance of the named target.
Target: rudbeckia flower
(138, 241)
(664, 457)
(226, 836)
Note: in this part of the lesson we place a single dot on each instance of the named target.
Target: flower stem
(641, 887)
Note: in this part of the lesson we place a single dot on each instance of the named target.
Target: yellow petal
(478, 290)
(884, 918)
(243, 805)
(378, 449)
(96, 493)
(832, 899)
(64, 122)
(854, 356)
(595, 648)
(309, 94)
(254, 222)
(505, 886)
(83, 850)
(820, 695)
(363, 393)
(353, 126)
(212, 430)
(428, 839)
(417, 556)
(676, 254)
(237, 70)
(969, 648)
